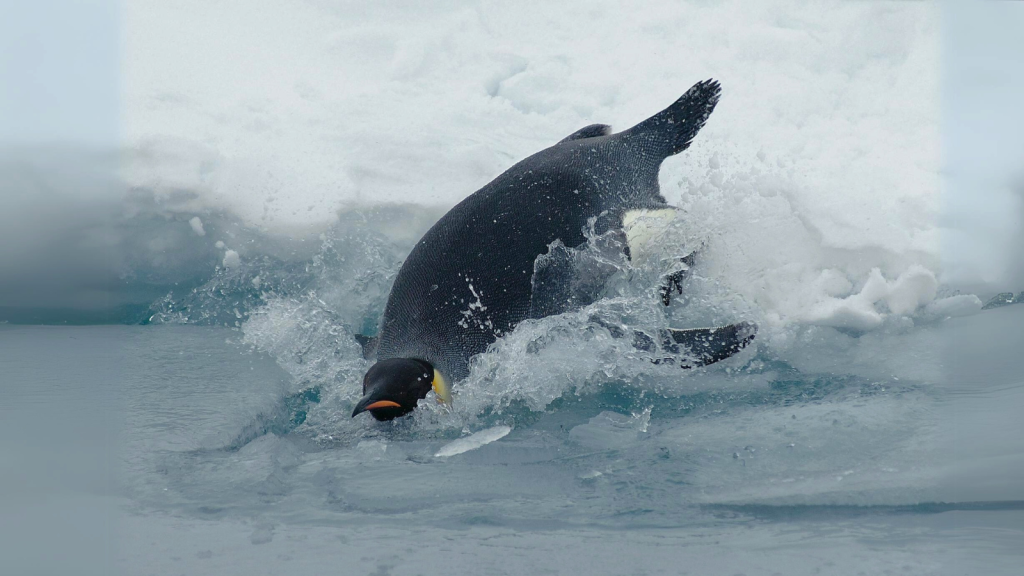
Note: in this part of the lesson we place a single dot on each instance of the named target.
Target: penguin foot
(699, 346)
(708, 345)
(674, 281)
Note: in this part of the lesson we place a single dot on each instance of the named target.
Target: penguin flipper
(551, 284)
(708, 345)
(369, 344)
(567, 279)
(670, 131)
(592, 131)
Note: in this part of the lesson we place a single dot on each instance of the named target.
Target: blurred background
(983, 144)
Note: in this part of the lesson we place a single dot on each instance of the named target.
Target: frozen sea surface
(180, 449)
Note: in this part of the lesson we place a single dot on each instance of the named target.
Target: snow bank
(815, 182)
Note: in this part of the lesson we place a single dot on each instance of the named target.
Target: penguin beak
(381, 406)
(370, 403)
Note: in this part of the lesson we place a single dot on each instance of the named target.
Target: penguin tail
(670, 131)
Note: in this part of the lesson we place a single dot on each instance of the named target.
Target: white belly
(645, 230)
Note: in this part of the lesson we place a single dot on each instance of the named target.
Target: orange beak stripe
(384, 404)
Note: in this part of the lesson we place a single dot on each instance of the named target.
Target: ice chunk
(611, 430)
(231, 259)
(857, 311)
(1003, 299)
(197, 226)
(912, 289)
(473, 441)
(959, 305)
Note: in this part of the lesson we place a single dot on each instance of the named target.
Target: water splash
(304, 311)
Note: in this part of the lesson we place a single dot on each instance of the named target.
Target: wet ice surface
(791, 471)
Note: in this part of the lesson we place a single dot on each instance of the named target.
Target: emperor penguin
(473, 276)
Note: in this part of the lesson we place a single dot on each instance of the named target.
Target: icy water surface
(226, 463)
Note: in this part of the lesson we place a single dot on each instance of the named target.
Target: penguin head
(392, 387)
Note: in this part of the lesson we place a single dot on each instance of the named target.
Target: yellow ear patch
(444, 394)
